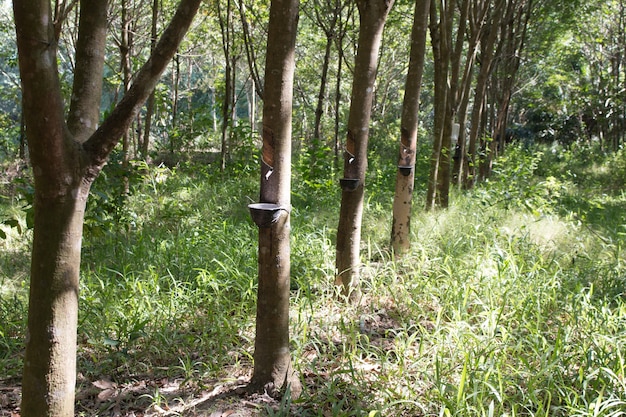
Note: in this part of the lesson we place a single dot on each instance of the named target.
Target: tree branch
(102, 142)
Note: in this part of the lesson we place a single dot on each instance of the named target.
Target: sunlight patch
(544, 231)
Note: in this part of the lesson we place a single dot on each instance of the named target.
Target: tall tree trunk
(512, 40)
(321, 96)
(252, 107)
(175, 138)
(338, 104)
(476, 11)
(250, 55)
(409, 126)
(66, 158)
(326, 16)
(273, 371)
(455, 92)
(373, 14)
(145, 143)
(342, 27)
(126, 67)
(472, 160)
(225, 26)
(439, 42)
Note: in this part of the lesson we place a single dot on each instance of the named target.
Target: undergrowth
(510, 303)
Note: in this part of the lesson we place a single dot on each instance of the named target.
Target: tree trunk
(438, 33)
(125, 47)
(257, 87)
(373, 14)
(66, 157)
(342, 28)
(273, 371)
(337, 103)
(405, 177)
(326, 17)
(321, 96)
(175, 138)
(472, 160)
(225, 26)
(145, 143)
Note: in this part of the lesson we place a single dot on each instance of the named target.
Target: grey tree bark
(409, 124)
(373, 15)
(273, 371)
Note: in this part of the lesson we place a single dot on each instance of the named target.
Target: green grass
(510, 303)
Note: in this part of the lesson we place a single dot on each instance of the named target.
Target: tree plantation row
(473, 75)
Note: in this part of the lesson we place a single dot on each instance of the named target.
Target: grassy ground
(510, 303)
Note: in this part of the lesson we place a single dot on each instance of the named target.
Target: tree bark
(150, 104)
(373, 14)
(512, 40)
(472, 160)
(66, 157)
(225, 26)
(409, 126)
(326, 16)
(438, 34)
(273, 371)
(250, 55)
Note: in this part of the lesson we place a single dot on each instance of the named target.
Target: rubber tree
(453, 77)
(144, 145)
(373, 14)
(226, 27)
(326, 15)
(441, 20)
(487, 42)
(476, 22)
(66, 156)
(409, 124)
(512, 39)
(273, 372)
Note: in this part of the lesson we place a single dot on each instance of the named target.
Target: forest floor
(511, 302)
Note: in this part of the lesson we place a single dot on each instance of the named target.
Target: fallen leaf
(107, 394)
(104, 384)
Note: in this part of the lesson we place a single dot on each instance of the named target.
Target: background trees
(503, 70)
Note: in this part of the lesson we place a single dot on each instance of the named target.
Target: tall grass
(510, 303)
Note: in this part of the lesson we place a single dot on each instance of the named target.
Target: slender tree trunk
(472, 160)
(126, 67)
(250, 55)
(337, 106)
(252, 106)
(477, 11)
(225, 25)
(326, 16)
(174, 138)
(405, 177)
(273, 372)
(438, 33)
(342, 27)
(373, 14)
(145, 143)
(512, 39)
(321, 96)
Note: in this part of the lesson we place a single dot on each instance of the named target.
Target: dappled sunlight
(548, 232)
(491, 303)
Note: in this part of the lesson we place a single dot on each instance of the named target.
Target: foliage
(509, 303)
